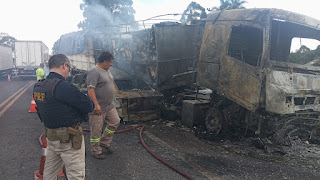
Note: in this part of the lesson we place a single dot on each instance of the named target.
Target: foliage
(108, 14)
(230, 4)
(193, 11)
(304, 55)
(236, 4)
(303, 49)
(55, 48)
(7, 40)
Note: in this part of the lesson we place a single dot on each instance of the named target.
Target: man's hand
(92, 95)
(97, 109)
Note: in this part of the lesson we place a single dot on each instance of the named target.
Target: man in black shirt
(62, 108)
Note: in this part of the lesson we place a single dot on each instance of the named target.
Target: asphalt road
(20, 150)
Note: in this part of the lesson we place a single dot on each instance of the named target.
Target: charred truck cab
(244, 59)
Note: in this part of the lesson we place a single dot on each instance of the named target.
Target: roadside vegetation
(304, 55)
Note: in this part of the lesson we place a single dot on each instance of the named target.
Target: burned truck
(244, 60)
(147, 62)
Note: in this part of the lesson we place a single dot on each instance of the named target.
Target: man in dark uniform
(61, 108)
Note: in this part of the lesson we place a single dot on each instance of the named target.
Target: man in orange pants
(100, 90)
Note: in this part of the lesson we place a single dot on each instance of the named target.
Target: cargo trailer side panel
(6, 61)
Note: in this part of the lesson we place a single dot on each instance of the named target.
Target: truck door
(240, 70)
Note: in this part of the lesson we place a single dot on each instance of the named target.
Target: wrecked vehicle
(147, 62)
(256, 89)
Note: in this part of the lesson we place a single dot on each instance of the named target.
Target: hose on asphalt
(40, 139)
(146, 147)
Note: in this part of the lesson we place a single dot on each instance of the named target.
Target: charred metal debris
(240, 55)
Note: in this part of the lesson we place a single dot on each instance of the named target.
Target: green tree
(303, 49)
(55, 48)
(7, 40)
(107, 14)
(304, 55)
(237, 4)
(193, 11)
(230, 4)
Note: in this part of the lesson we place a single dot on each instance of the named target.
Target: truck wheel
(214, 120)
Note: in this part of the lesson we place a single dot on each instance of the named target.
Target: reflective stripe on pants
(96, 123)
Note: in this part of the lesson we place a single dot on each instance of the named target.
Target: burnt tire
(214, 120)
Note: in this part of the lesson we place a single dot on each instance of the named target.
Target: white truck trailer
(28, 56)
(6, 60)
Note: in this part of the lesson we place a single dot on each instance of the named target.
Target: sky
(47, 20)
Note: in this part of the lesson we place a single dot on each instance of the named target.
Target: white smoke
(101, 19)
(98, 16)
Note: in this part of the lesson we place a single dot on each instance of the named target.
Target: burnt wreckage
(243, 59)
(147, 62)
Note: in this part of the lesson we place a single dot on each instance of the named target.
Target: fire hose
(146, 147)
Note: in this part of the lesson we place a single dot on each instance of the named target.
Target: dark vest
(53, 113)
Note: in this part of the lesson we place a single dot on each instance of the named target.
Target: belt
(61, 134)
